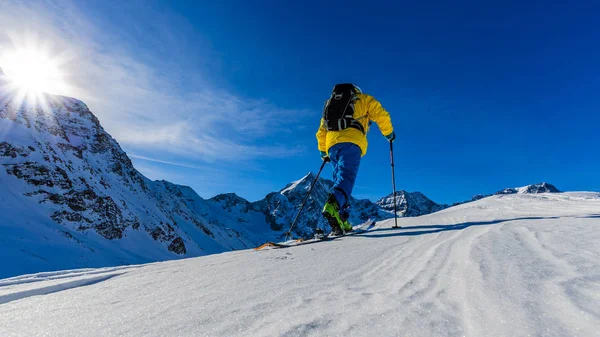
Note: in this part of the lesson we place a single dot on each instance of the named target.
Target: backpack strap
(351, 87)
(356, 124)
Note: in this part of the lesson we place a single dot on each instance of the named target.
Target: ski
(364, 227)
(359, 229)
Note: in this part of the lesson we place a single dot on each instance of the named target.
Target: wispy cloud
(172, 163)
(134, 72)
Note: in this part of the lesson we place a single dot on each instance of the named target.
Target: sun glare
(33, 71)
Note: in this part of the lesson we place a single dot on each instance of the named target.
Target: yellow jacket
(366, 109)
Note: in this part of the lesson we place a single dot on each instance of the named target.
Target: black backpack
(338, 113)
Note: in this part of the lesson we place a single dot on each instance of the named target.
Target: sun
(33, 71)
(32, 67)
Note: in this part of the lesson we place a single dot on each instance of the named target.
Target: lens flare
(31, 71)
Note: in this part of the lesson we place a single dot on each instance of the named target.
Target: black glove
(325, 157)
(391, 137)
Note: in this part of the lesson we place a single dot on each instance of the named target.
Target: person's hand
(324, 156)
(391, 137)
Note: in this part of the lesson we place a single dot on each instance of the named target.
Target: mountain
(507, 265)
(530, 189)
(409, 204)
(68, 189)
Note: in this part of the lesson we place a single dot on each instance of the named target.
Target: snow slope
(507, 265)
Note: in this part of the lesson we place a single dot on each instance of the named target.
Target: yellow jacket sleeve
(380, 116)
(322, 136)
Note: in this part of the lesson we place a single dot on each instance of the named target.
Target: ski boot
(344, 215)
(346, 226)
(331, 212)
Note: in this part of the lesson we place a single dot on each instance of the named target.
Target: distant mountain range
(71, 198)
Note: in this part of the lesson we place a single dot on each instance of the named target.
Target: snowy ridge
(304, 181)
(529, 189)
(507, 265)
(538, 188)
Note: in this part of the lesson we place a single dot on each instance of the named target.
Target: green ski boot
(346, 226)
(331, 212)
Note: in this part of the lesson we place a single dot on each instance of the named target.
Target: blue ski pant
(345, 159)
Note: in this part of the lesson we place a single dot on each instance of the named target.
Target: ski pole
(394, 186)
(289, 232)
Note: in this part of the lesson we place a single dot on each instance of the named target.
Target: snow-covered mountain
(507, 265)
(529, 189)
(72, 198)
(409, 204)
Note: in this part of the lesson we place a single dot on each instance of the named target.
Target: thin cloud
(141, 97)
(154, 160)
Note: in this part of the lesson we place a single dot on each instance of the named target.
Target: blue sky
(226, 96)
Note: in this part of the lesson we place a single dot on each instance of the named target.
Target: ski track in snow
(55, 287)
(518, 265)
(55, 275)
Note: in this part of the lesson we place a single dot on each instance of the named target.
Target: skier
(342, 140)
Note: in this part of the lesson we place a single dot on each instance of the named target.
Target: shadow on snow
(593, 216)
(431, 229)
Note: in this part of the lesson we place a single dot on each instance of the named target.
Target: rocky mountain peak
(299, 185)
(509, 190)
(530, 189)
(409, 204)
(539, 188)
(310, 176)
(230, 199)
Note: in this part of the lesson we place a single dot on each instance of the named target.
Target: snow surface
(508, 265)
